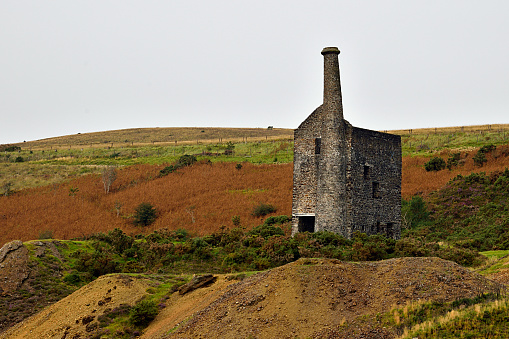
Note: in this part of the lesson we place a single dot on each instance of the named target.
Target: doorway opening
(307, 224)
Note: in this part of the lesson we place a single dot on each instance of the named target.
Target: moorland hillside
(455, 188)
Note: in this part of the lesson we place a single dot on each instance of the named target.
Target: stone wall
(376, 179)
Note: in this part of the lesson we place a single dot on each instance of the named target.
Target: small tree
(118, 207)
(145, 214)
(108, 177)
(414, 211)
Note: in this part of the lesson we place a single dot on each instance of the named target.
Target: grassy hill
(207, 220)
(136, 137)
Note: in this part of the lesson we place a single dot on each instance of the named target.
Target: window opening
(366, 172)
(376, 190)
(318, 145)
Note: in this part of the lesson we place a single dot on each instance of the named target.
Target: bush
(9, 148)
(280, 219)
(183, 161)
(186, 160)
(479, 159)
(453, 160)
(145, 214)
(73, 278)
(480, 156)
(19, 159)
(119, 240)
(236, 220)
(435, 164)
(143, 313)
(326, 238)
(266, 231)
(263, 209)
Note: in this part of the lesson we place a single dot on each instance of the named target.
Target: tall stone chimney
(332, 101)
(331, 201)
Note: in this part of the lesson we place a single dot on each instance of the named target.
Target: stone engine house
(345, 179)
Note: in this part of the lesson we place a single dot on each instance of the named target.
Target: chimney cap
(330, 50)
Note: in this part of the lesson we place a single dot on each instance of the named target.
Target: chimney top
(330, 50)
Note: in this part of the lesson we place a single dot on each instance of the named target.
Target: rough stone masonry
(345, 179)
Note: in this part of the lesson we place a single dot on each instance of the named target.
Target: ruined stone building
(345, 179)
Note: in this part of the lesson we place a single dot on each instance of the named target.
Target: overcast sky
(87, 66)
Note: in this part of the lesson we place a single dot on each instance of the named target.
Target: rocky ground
(75, 316)
(310, 298)
(320, 298)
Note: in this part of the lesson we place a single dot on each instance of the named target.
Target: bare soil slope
(322, 298)
(310, 298)
(76, 315)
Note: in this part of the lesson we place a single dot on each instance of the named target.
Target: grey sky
(86, 66)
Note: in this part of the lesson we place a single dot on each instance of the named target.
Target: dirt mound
(310, 298)
(322, 298)
(76, 315)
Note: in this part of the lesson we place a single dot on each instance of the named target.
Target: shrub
(453, 160)
(145, 214)
(229, 146)
(238, 166)
(119, 240)
(266, 231)
(96, 264)
(435, 164)
(263, 209)
(326, 238)
(181, 234)
(183, 161)
(10, 148)
(480, 156)
(167, 170)
(73, 278)
(143, 313)
(186, 160)
(236, 220)
(19, 159)
(479, 159)
(280, 219)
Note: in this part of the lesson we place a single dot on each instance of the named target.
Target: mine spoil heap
(322, 298)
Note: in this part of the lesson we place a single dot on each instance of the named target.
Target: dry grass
(415, 179)
(158, 136)
(211, 194)
(455, 129)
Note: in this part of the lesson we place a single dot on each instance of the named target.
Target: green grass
(495, 254)
(482, 320)
(55, 160)
(163, 285)
(46, 167)
(430, 143)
